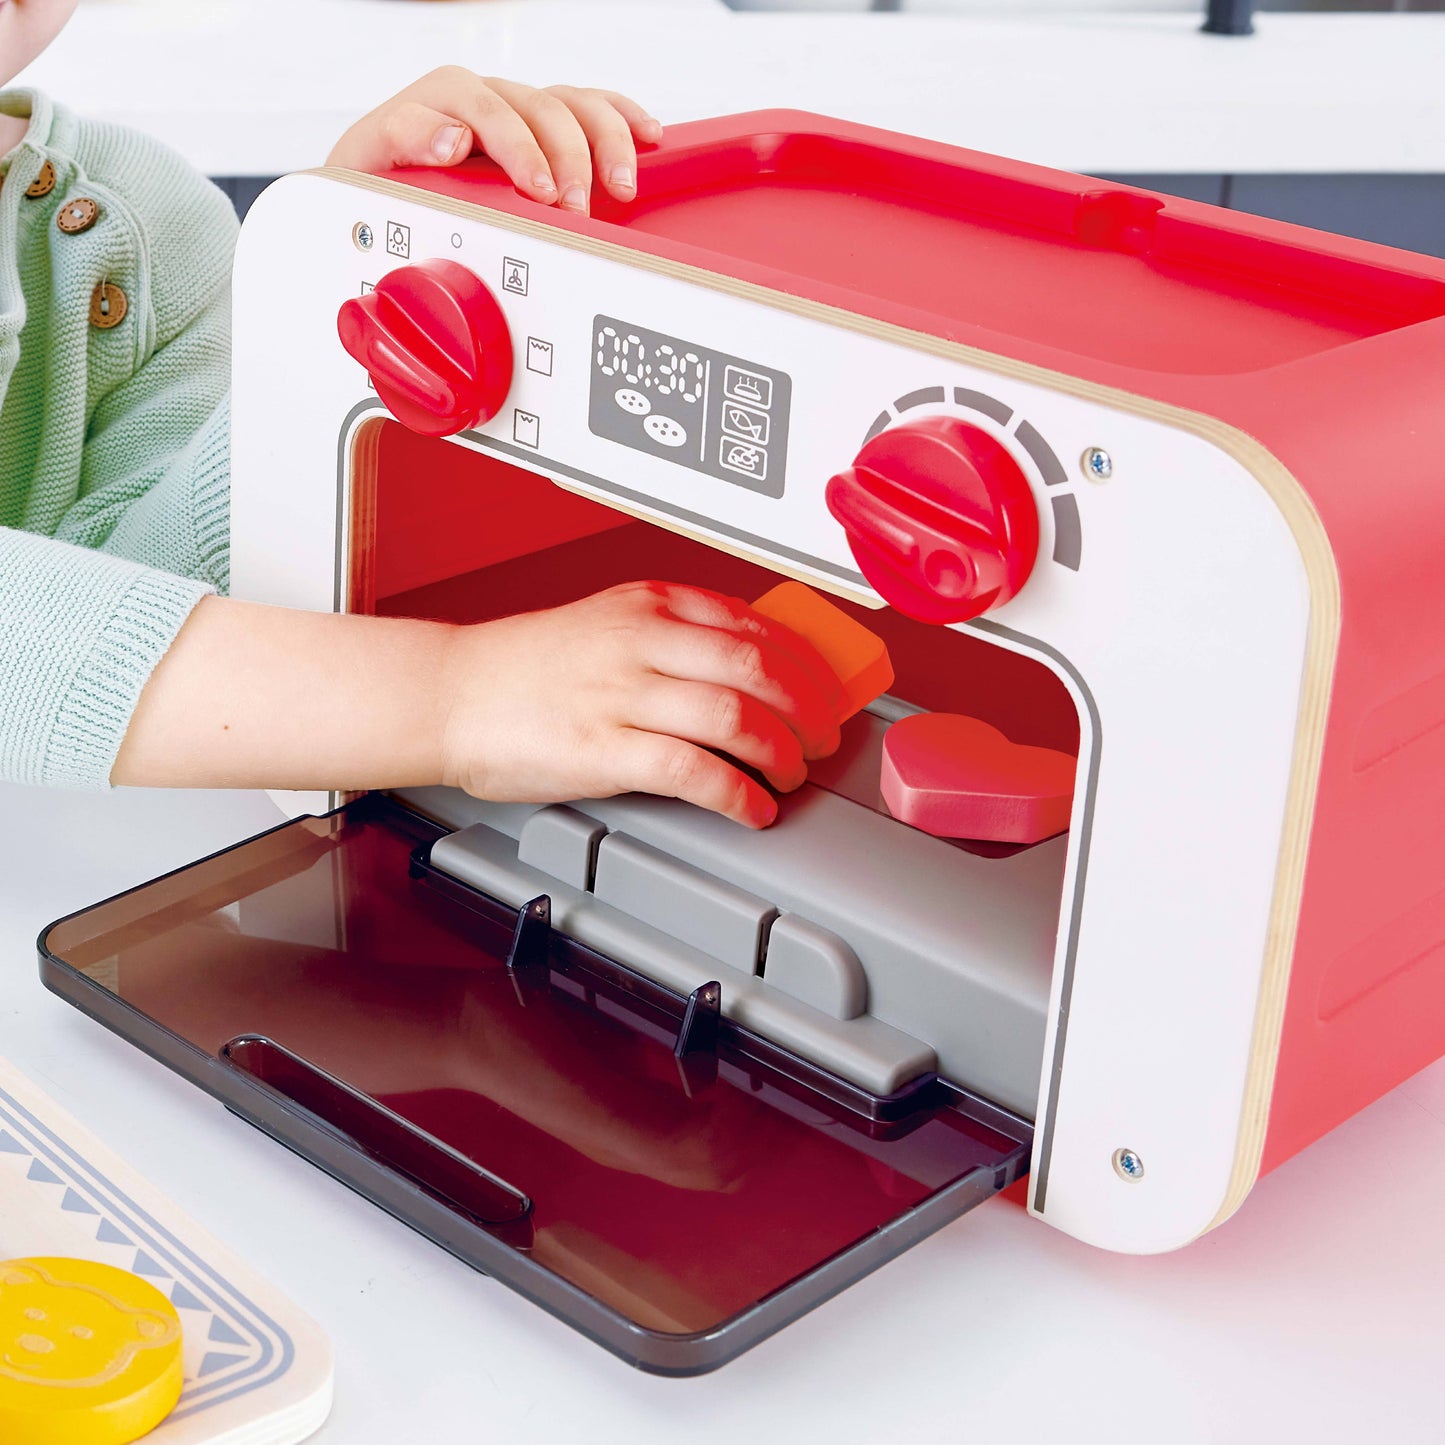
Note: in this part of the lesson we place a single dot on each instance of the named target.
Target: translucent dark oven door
(672, 1186)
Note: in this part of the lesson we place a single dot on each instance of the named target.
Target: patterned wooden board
(257, 1371)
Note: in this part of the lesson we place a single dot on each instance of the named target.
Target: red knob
(940, 518)
(436, 345)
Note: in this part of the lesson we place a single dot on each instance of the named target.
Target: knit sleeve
(83, 627)
(153, 475)
(181, 521)
(119, 443)
(80, 633)
(86, 616)
(155, 472)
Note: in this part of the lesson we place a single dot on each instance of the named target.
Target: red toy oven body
(1203, 465)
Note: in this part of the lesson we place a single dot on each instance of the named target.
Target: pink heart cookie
(957, 777)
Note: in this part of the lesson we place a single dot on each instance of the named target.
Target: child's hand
(636, 689)
(547, 141)
(627, 691)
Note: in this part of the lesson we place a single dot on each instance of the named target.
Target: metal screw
(363, 236)
(1128, 1165)
(1098, 465)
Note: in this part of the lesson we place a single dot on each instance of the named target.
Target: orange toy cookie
(89, 1354)
(858, 656)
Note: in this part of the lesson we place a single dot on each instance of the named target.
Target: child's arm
(627, 690)
(548, 141)
(111, 438)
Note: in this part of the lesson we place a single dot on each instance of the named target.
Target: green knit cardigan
(114, 442)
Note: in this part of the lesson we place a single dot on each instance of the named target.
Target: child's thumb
(403, 134)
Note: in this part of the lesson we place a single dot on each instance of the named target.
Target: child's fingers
(646, 129)
(717, 717)
(414, 128)
(403, 133)
(711, 609)
(501, 132)
(560, 135)
(614, 156)
(752, 664)
(668, 766)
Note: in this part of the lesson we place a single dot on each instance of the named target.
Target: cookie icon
(664, 431)
(633, 402)
(89, 1355)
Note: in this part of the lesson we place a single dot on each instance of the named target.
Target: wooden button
(107, 306)
(93, 1355)
(43, 184)
(77, 215)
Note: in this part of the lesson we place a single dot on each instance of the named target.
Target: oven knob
(436, 346)
(940, 518)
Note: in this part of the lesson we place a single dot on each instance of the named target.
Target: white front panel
(1181, 632)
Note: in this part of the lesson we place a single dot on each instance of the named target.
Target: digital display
(702, 409)
(662, 369)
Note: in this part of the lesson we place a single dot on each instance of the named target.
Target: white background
(258, 87)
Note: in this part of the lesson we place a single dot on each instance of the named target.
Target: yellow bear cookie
(89, 1355)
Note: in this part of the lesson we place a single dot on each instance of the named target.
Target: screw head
(1098, 465)
(1128, 1165)
(362, 236)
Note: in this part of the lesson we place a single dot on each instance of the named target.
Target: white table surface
(1317, 1314)
(259, 87)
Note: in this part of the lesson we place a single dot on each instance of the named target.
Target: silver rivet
(457, 240)
(363, 237)
(1098, 465)
(1128, 1165)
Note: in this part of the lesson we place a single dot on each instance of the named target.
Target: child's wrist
(418, 669)
(459, 662)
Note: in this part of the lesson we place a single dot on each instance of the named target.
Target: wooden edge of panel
(1295, 506)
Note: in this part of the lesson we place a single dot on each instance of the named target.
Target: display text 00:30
(666, 370)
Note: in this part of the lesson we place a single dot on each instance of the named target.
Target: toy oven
(678, 1081)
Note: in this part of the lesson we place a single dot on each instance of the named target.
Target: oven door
(642, 1167)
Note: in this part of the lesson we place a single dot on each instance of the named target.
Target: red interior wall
(463, 537)
(443, 509)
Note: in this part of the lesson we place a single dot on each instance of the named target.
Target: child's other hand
(628, 691)
(547, 141)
